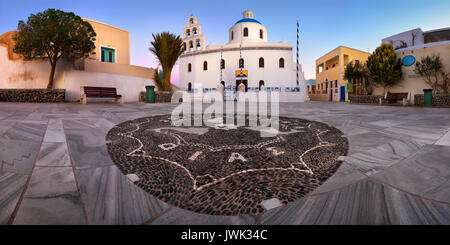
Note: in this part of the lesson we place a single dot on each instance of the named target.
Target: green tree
(355, 71)
(54, 34)
(167, 48)
(384, 67)
(432, 70)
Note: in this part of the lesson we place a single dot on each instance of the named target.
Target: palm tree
(158, 81)
(167, 48)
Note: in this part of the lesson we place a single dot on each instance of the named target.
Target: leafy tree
(167, 48)
(358, 71)
(384, 67)
(54, 34)
(432, 70)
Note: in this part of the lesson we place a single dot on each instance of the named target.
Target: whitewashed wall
(129, 87)
(28, 74)
(34, 75)
(271, 74)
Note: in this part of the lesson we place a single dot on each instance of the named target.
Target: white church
(248, 62)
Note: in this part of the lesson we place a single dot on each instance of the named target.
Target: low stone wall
(318, 97)
(365, 99)
(163, 96)
(438, 100)
(160, 97)
(33, 95)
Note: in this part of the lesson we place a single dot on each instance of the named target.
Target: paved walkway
(55, 169)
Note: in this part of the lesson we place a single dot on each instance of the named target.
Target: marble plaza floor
(55, 168)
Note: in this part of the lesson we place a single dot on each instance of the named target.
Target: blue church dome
(248, 20)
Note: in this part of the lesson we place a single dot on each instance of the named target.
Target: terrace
(58, 168)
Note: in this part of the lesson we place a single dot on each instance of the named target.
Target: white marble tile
(445, 140)
(17, 155)
(365, 203)
(112, 199)
(426, 173)
(386, 123)
(51, 199)
(54, 155)
(11, 186)
(177, 216)
(55, 132)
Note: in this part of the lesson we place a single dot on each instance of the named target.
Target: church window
(245, 32)
(205, 66)
(261, 34)
(261, 62)
(232, 35)
(281, 63)
(222, 64)
(241, 63)
(261, 83)
(189, 67)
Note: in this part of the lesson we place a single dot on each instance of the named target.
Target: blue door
(342, 97)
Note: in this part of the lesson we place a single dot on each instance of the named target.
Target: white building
(248, 59)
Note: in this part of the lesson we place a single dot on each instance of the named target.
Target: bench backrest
(100, 91)
(397, 96)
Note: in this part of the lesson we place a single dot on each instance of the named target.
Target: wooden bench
(99, 92)
(394, 97)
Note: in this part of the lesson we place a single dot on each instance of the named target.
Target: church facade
(247, 62)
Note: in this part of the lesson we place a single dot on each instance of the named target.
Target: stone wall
(160, 97)
(163, 96)
(365, 99)
(438, 100)
(32, 95)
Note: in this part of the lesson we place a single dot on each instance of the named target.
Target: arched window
(191, 44)
(223, 83)
(241, 63)
(189, 87)
(281, 63)
(188, 32)
(222, 64)
(198, 43)
(205, 66)
(195, 31)
(192, 21)
(189, 67)
(184, 46)
(261, 62)
(245, 32)
(261, 34)
(232, 35)
(261, 83)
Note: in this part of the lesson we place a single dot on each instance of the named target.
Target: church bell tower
(193, 39)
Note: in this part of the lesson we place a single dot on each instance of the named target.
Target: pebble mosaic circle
(226, 169)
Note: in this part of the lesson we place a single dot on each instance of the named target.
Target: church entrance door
(238, 82)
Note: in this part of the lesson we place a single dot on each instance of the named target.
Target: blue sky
(325, 24)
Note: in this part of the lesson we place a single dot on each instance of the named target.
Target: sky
(324, 24)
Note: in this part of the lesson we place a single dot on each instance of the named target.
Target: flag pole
(298, 37)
